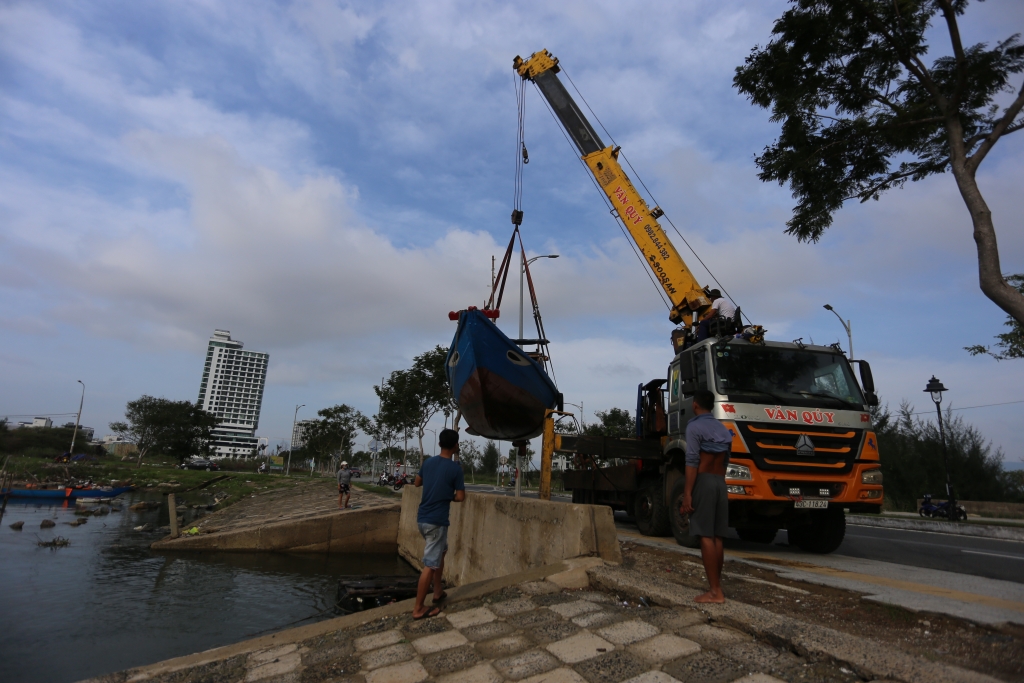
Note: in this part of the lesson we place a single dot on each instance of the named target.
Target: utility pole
(291, 442)
(77, 419)
(522, 273)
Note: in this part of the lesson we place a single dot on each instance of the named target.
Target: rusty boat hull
(501, 392)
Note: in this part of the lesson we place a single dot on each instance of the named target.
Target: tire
(823, 535)
(680, 524)
(207, 469)
(577, 496)
(757, 535)
(922, 513)
(650, 511)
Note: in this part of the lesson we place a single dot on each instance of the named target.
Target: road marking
(979, 552)
(910, 586)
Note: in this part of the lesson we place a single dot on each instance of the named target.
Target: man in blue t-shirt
(442, 482)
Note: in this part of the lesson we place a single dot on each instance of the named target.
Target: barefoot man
(442, 482)
(706, 499)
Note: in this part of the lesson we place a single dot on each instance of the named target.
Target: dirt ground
(999, 653)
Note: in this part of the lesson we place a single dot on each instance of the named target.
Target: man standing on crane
(721, 308)
(706, 498)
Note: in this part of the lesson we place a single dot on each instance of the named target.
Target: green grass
(379, 490)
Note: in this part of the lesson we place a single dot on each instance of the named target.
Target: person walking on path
(706, 499)
(442, 482)
(344, 484)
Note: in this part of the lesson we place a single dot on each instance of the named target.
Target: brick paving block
(438, 642)
(579, 647)
(481, 673)
(425, 627)
(504, 609)
(277, 668)
(758, 657)
(529, 663)
(343, 670)
(597, 619)
(714, 637)
(594, 596)
(471, 617)
(378, 640)
(538, 587)
(563, 675)
(487, 631)
(260, 657)
(551, 631)
(527, 620)
(409, 672)
(553, 598)
(627, 632)
(574, 609)
(758, 678)
(705, 667)
(652, 677)
(664, 648)
(504, 646)
(675, 619)
(449, 661)
(611, 667)
(386, 656)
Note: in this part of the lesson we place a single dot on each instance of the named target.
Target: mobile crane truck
(803, 448)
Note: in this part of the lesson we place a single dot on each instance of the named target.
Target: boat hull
(66, 493)
(501, 393)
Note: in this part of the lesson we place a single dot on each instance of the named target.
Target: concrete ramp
(493, 536)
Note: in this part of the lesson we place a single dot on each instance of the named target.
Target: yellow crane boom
(684, 292)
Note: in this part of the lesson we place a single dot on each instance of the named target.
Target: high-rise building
(299, 434)
(232, 389)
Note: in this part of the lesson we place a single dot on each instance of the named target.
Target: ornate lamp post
(935, 388)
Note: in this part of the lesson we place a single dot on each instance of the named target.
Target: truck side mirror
(868, 382)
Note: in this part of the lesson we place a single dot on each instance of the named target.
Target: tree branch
(958, 52)
(998, 131)
(866, 194)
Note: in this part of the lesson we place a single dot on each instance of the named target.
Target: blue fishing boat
(501, 391)
(64, 493)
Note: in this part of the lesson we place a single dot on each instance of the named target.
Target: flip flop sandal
(438, 601)
(432, 612)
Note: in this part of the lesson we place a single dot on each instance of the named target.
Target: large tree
(863, 113)
(334, 431)
(1008, 344)
(176, 428)
(613, 422)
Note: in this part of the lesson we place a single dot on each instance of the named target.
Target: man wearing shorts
(344, 485)
(706, 499)
(442, 482)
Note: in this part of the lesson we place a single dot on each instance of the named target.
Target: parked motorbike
(403, 481)
(941, 510)
(385, 480)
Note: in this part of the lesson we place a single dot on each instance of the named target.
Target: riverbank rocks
(17, 526)
(144, 505)
(47, 523)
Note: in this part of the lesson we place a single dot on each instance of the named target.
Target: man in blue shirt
(442, 482)
(706, 498)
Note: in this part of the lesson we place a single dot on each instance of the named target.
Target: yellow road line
(911, 586)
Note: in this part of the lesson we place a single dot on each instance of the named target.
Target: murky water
(106, 602)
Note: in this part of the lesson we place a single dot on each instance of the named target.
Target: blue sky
(327, 180)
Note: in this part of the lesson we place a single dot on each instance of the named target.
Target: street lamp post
(291, 442)
(846, 326)
(583, 419)
(78, 419)
(935, 388)
(428, 429)
(522, 273)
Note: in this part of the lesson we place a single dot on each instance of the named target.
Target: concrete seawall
(492, 536)
(305, 521)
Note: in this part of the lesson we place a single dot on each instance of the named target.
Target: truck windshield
(766, 374)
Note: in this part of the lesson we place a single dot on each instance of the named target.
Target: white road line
(979, 552)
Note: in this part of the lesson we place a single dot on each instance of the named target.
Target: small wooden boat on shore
(500, 390)
(67, 493)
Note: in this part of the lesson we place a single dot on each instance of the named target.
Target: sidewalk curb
(1004, 533)
(871, 660)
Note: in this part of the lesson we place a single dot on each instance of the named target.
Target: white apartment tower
(232, 389)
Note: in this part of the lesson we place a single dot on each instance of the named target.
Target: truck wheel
(757, 535)
(680, 524)
(650, 511)
(823, 535)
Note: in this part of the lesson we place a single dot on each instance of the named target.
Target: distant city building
(232, 390)
(299, 434)
(43, 422)
(84, 432)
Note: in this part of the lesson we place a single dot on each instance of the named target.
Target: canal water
(107, 602)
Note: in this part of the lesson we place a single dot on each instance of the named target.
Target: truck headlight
(871, 476)
(737, 472)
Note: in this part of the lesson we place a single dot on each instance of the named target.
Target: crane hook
(526, 155)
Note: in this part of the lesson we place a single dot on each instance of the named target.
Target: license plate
(814, 504)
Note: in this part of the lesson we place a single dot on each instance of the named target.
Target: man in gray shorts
(344, 484)
(706, 500)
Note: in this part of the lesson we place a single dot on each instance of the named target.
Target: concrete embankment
(302, 519)
(494, 536)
